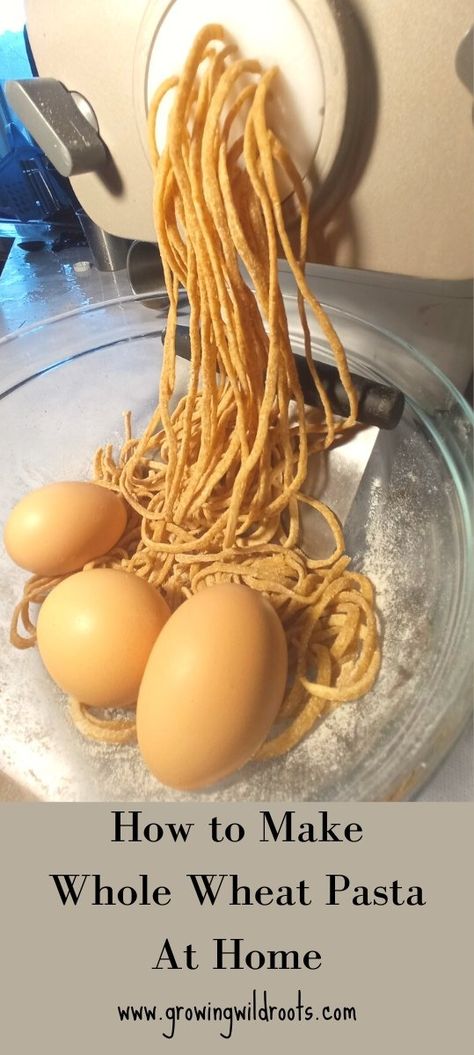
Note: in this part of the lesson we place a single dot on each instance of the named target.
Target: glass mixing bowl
(65, 385)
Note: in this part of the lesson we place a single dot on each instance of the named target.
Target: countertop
(43, 284)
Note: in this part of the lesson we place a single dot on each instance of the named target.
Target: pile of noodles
(214, 485)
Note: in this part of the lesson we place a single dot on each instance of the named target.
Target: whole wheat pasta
(214, 484)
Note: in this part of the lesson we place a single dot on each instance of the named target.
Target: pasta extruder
(374, 102)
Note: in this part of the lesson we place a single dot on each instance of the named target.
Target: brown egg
(212, 686)
(95, 633)
(59, 528)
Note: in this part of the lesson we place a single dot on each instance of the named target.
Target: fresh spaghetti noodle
(214, 484)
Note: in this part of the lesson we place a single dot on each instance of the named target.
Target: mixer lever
(56, 118)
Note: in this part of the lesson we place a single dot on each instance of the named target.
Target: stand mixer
(375, 107)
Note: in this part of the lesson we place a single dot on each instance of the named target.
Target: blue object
(30, 186)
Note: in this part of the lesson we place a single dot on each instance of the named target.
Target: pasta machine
(374, 101)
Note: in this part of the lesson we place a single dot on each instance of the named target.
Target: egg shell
(212, 686)
(95, 632)
(59, 528)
